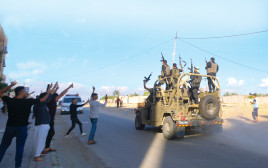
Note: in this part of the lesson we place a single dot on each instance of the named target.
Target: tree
(2, 84)
(116, 93)
(230, 94)
(135, 94)
(146, 93)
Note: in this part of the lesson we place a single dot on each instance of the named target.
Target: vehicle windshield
(69, 100)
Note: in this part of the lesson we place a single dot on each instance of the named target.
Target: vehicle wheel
(138, 122)
(169, 128)
(209, 107)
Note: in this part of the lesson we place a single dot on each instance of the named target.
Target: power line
(116, 62)
(226, 36)
(250, 67)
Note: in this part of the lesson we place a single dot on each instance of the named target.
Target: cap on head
(175, 65)
(18, 90)
(196, 68)
(212, 58)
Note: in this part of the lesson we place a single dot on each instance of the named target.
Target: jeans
(93, 128)
(75, 121)
(21, 135)
(255, 113)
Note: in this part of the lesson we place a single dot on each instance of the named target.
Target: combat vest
(175, 73)
(167, 69)
(213, 68)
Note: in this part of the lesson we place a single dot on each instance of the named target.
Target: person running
(42, 120)
(19, 109)
(255, 108)
(74, 118)
(52, 107)
(94, 114)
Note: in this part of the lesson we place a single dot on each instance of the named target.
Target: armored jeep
(173, 110)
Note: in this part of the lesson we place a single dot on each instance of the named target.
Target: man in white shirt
(94, 114)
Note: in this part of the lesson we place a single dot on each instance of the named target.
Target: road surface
(119, 145)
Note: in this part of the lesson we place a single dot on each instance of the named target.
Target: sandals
(47, 151)
(38, 159)
(91, 142)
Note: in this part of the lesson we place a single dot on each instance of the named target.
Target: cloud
(232, 82)
(264, 83)
(31, 67)
(110, 89)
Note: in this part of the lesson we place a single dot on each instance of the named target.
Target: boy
(75, 120)
(255, 107)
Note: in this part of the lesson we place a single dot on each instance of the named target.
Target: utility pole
(174, 52)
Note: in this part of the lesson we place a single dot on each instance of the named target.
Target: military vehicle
(173, 110)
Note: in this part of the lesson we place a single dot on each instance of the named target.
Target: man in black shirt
(75, 120)
(52, 106)
(19, 110)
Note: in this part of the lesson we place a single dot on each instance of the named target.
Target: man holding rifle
(212, 68)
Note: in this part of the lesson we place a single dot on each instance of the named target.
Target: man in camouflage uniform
(212, 68)
(165, 74)
(195, 85)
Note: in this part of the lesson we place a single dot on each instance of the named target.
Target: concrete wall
(129, 100)
(243, 99)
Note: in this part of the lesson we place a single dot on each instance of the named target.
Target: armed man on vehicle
(212, 68)
(149, 99)
(165, 73)
(175, 73)
(195, 85)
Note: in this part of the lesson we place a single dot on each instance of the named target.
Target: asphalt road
(119, 145)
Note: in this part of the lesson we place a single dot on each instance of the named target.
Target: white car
(67, 101)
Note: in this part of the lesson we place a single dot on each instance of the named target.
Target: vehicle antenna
(174, 52)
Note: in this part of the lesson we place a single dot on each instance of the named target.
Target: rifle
(191, 69)
(148, 78)
(182, 61)
(163, 59)
(206, 61)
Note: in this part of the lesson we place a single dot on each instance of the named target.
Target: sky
(114, 44)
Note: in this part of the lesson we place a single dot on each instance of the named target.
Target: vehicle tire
(209, 107)
(138, 122)
(169, 128)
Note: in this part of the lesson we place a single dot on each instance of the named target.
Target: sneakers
(68, 136)
(91, 142)
(83, 134)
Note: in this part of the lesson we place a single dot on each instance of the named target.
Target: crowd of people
(45, 106)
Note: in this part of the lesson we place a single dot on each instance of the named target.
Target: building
(3, 52)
